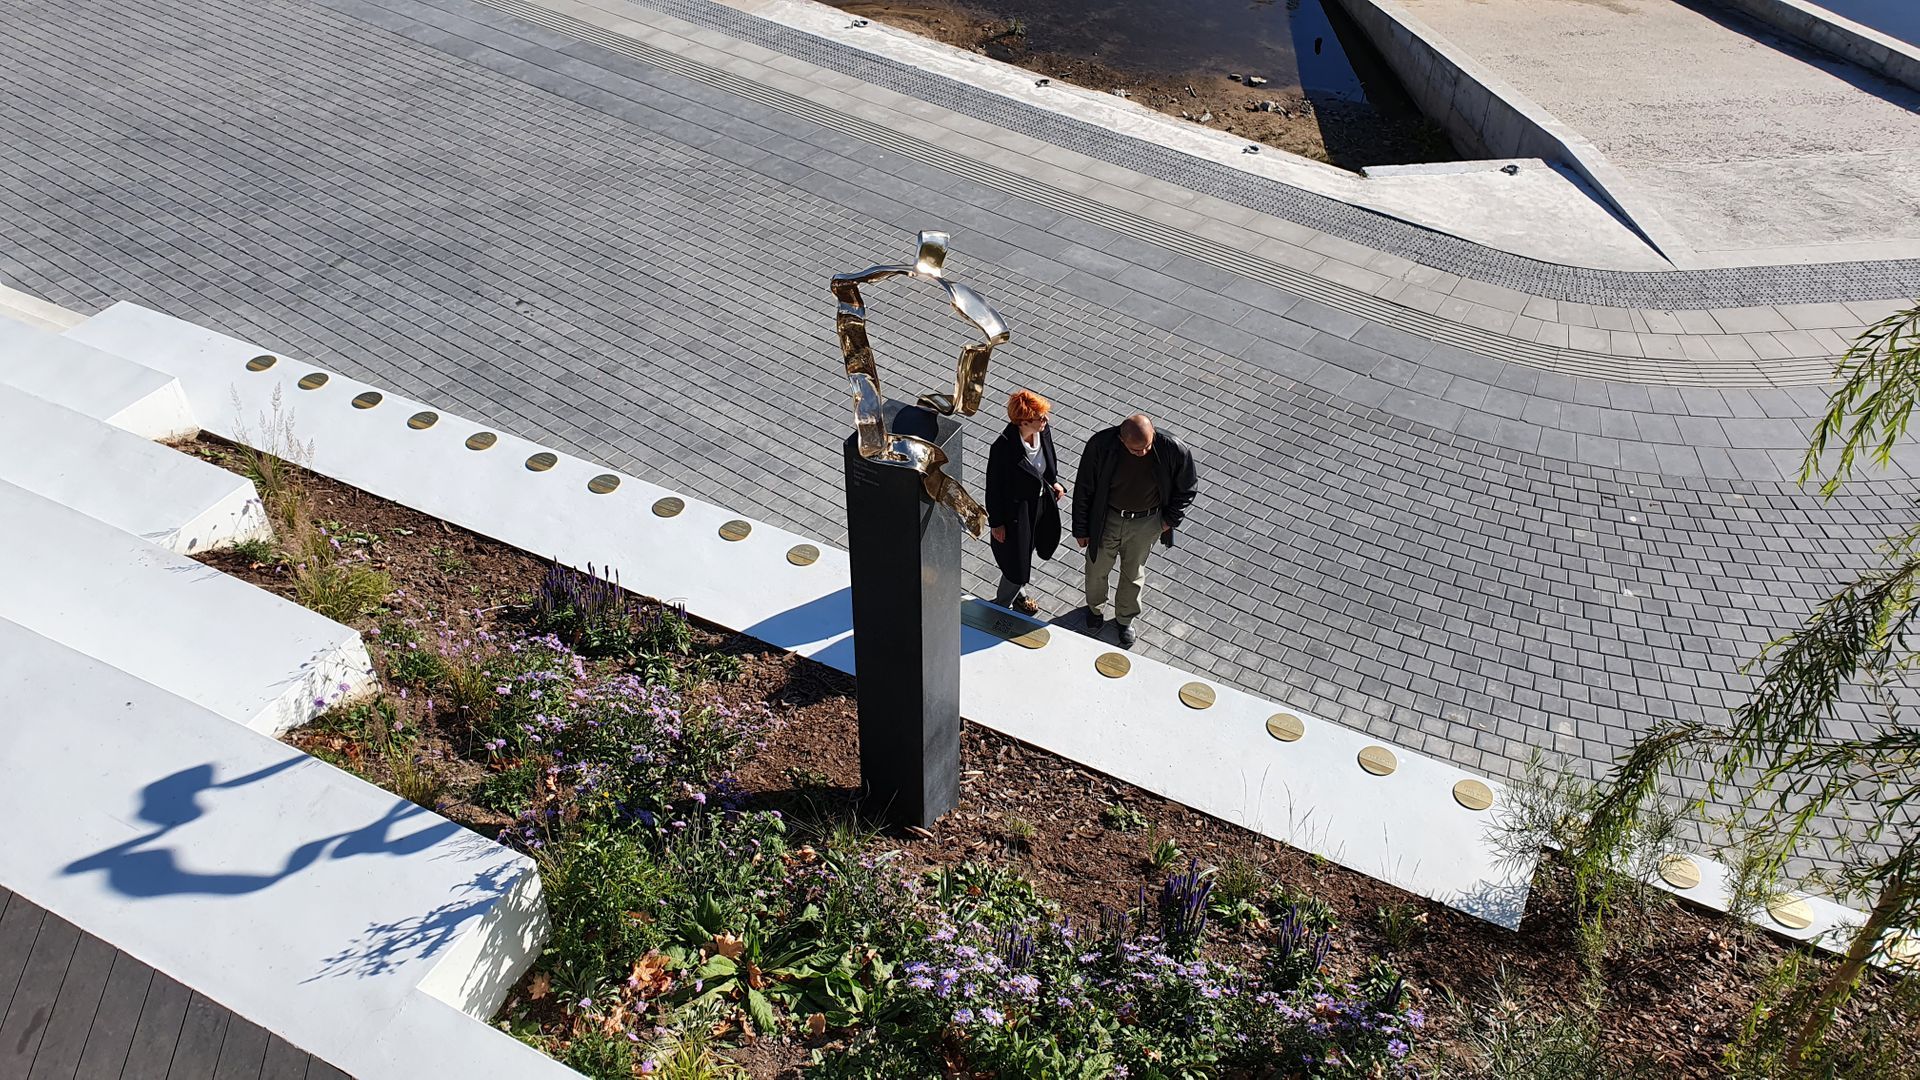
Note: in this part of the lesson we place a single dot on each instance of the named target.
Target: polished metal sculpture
(879, 444)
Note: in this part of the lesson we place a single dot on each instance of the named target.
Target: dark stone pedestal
(905, 555)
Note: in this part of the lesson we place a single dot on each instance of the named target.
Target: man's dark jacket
(1173, 468)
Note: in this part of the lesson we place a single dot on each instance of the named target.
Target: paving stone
(599, 271)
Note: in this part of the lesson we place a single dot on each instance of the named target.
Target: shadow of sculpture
(140, 868)
(384, 946)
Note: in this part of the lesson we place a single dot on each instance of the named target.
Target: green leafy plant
(1312, 911)
(415, 779)
(1786, 764)
(256, 549)
(1123, 818)
(601, 1056)
(339, 589)
(987, 894)
(686, 1051)
(1164, 855)
(1018, 831)
(511, 790)
(1400, 924)
(448, 561)
(1239, 887)
(1513, 1038)
(272, 457)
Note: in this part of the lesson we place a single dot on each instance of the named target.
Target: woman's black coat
(1021, 501)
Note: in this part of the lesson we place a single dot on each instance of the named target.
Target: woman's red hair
(1027, 406)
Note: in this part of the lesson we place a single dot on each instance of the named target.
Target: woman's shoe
(1027, 605)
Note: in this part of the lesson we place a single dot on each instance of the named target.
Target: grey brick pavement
(1472, 558)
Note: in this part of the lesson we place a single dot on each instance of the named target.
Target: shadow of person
(136, 868)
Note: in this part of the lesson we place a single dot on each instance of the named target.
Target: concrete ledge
(1487, 117)
(118, 478)
(88, 381)
(1220, 758)
(1842, 37)
(35, 312)
(237, 651)
(362, 929)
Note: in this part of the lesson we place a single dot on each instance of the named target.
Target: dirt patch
(1320, 126)
(1677, 988)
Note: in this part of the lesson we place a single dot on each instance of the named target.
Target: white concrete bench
(87, 380)
(355, 925)
(214, 640)
(168, 498)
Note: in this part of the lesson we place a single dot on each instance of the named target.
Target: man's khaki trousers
(1127, 540)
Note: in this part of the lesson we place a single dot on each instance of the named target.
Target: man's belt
(1135, 515)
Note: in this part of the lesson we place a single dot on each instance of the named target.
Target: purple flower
(1396, 1049)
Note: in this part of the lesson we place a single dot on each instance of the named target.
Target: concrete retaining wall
(1844, 38)
(1485, 117)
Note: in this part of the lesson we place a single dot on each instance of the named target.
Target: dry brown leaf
(615, 1022)
(540, 987)
(817, 1025)
(728, 946)
(755, 978)
(651, 976)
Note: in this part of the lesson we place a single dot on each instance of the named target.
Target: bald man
(1133, 487)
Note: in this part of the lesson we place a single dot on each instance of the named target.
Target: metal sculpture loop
(969, 377)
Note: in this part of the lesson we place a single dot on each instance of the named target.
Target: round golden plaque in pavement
(603, 484)
(1679, 871)
(262, 363)
(421, 421)
(1473, 794)
(1378, 760)
(1790, 912)
(542, 461)
(669, 506)
(1035, 638)
(313, 381)
(1197, 695)
(735, 530)
(1286, 727)
(803, 554)
(367, 400)
(1113, 664)
(480, 440)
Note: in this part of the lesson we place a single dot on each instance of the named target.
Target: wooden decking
(73, 1007)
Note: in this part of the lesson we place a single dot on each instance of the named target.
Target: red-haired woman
(1023, 493)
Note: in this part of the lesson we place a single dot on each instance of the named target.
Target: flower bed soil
(1676, 995)
(1349, 134)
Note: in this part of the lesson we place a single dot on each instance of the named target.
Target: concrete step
(189, 629)
(93, 382)
(134, 484)
(368, 931)
(30, 309)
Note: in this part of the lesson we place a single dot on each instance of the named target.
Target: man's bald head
(1136, 433)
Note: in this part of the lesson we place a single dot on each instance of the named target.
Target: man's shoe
(1126, 635)
(1095, 621)
(1027, 605)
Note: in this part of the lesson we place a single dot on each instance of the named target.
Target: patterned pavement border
(1569, 361)
(1728, 287)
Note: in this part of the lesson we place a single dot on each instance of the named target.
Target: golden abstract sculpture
(969, 378)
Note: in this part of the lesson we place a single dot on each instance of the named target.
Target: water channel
(1894, 18)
